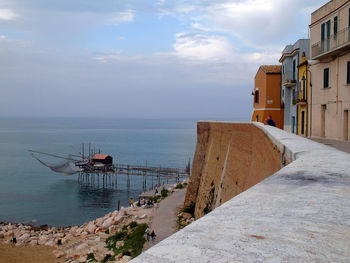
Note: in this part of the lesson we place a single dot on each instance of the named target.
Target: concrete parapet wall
(299, 214)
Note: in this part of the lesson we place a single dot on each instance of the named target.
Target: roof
(291, 50)
(100, 156)
(271, 69)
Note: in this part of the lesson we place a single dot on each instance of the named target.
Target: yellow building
(303, 96)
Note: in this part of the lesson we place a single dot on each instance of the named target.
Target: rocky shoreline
(74, 244)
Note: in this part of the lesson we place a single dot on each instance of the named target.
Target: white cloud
(122, 17)
(111, 56)
(199, 27)
(104, 58)
(13, 44)
(7, 14)
(254, 23)
(202, 47)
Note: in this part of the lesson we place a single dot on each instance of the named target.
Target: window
(326, 78)
(322, 31)
(325, 35)
(328, 27)
(294, 68)
(256, 96)
(304, 89)
(348, 74)
(335, 26)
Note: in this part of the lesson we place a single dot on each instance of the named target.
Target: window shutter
(326, 78)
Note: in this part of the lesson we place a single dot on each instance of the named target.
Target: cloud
(211, 60)
(122, 17)
(7, 14)
(7, 44)
(255, 23)
(202, 47)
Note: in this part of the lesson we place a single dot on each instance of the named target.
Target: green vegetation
(190, 209)
(179, 186)
(183, 221)
(133, 224)
(155, 199)
(112, 240)
(106, 258)
(133, 243)
(107, 231)
(91, 258)
(179, 222)
(133, 237)
(164, 193)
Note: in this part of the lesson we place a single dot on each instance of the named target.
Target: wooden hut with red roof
(102, 159)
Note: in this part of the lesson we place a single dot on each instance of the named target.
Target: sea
(32, 193)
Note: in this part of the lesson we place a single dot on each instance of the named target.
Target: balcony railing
(333, 43)
(288, 81)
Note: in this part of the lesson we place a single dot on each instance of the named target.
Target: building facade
(290, 86)
(330, 69)
(267, 95)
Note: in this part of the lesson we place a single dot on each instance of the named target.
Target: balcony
(288, 81)
(332, 46)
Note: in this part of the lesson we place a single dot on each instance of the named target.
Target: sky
(141, 59)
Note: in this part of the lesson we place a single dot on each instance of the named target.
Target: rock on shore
(73, 244)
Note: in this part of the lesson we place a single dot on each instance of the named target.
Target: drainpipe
(337, 79)
(310, 87)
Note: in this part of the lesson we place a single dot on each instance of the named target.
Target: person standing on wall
(153, 236)
(269, 121)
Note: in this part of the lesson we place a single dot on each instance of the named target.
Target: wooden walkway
(151, 175)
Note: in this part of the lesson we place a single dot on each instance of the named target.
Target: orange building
(267, 95)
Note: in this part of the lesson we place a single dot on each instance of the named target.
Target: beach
(10, 253)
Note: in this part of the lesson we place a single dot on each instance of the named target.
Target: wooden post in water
(128, 178)
(160, 167)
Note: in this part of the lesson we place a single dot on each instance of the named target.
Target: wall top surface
(299, 214)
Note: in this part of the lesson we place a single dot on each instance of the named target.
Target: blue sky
(141, 59)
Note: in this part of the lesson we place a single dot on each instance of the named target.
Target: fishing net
(66, 167)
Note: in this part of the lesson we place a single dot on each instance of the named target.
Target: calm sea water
(29, 190)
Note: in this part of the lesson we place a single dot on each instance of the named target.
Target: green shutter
(322, 31)
(328, 29)
(335, 25)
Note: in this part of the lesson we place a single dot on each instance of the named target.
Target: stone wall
(229, 159)
(299, 214)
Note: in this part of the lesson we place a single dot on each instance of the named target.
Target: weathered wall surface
(299, 214)
(229, 159)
